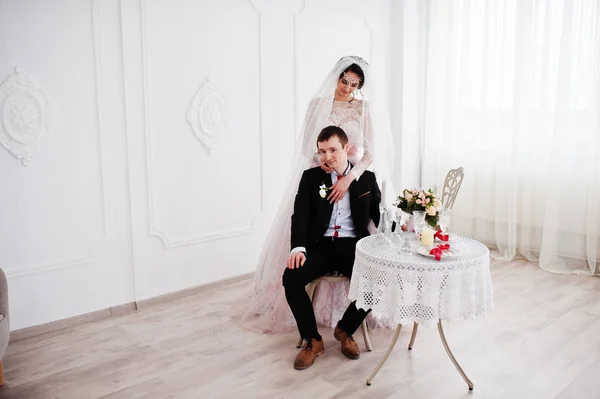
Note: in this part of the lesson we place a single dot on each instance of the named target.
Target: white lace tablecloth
(405, 288)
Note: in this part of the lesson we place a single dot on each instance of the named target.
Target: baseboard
(72, 321)
(123, 309)
(188, 292)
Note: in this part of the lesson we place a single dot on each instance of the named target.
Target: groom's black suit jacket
(312, 213)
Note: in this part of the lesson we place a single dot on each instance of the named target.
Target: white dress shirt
(340, 216)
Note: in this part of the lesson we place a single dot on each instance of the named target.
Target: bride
(345, 99)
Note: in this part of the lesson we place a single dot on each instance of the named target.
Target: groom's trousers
(326, 256)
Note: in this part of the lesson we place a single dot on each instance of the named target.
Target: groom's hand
(296, 260)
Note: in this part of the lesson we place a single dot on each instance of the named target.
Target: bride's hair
(357, 70)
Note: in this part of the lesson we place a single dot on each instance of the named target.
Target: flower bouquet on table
(418, 199)
(425, 200)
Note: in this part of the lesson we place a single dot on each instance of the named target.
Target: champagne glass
(397, 237)
(385, 224)
(389, 221)
(382, 217)
(418, 221)
(399, 221)
(444, 219)
(408, 246)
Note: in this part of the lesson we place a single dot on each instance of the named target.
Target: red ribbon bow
(442, 237)
(437, 251)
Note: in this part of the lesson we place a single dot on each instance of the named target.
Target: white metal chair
(452, 184)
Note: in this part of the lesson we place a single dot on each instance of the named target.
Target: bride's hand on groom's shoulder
(296, 260)
(338, 190)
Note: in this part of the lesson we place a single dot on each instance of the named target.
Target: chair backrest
(452, 184)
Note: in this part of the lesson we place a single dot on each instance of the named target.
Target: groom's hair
(332, 131)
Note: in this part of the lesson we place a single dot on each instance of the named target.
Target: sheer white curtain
(512, 94)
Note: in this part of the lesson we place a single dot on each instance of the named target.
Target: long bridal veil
(267, 309)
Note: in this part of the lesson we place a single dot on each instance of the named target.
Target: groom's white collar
(348, 168)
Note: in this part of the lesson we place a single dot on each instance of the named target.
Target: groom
(324, 237)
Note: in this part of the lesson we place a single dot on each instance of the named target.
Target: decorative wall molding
(369, 27)
(89, 257)
(167, 240)
(25, 115)
(16, 271)
(207, 114)
(258, 6)
(173, 242)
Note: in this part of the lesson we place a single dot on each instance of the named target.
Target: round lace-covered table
(414, 288)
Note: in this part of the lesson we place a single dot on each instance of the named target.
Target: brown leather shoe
(312, 348)
(349, 346)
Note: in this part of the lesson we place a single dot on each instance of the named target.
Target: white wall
(122, 200)
(65, 240)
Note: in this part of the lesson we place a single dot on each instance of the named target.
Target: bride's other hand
(325, 168)
(338, 190)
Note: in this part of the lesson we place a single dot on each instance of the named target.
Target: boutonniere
(323, 190)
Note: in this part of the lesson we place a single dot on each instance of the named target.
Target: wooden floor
(541, 341)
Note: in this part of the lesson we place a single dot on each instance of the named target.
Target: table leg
(413, 336)
(449, 352)
(374, 373)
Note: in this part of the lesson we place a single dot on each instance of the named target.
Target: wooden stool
(310, 288)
